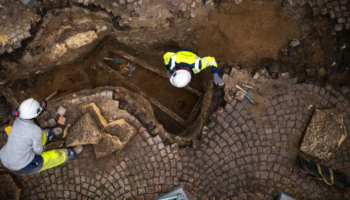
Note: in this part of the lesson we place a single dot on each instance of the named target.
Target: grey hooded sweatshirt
(23, 143)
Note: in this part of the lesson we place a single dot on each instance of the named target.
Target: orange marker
(61, 120)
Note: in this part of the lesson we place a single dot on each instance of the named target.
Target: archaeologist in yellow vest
(184, 64)
(23, 153)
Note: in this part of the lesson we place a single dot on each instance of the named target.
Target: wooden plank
(194, 111)
(149, 67)
(153, 101)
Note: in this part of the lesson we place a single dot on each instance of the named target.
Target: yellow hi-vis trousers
(51, 158)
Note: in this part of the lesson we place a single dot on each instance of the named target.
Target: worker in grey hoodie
(23, 153)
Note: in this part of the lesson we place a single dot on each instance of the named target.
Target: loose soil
(245, 32)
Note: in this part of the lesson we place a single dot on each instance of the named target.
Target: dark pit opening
(178, 100)
(176, 109)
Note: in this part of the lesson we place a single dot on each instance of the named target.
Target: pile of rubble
(92, 128)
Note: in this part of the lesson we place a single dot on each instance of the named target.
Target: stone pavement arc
(237, 157)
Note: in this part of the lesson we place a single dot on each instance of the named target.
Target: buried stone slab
(110, 110)
(9, 189)
(95, 113)
(324, 134)
(122, 129)
(107, 145)
(85, 131)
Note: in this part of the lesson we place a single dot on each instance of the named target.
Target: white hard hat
(180, 78)
(29, 109)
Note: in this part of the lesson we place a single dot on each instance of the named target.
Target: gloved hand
(169, 73)
(218, 80)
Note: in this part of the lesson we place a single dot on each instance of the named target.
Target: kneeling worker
(23, 153)
(184, 64)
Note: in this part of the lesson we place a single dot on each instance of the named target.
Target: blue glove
(218, 80)
(169, 73)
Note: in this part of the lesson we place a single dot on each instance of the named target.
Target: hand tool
(252, 96)
(54, 93)
(116, 60)
(246, 94)
(255, 89)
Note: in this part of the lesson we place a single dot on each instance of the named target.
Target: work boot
(57, 131)
(72, 152)
(78, 149)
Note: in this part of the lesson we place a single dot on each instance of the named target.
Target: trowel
(128, 65)
(116, 60)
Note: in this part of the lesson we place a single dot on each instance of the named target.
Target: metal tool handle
(240, 88)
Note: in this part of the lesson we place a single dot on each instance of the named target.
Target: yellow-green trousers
(47, 159)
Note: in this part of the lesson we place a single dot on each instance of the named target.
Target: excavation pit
(180, 111)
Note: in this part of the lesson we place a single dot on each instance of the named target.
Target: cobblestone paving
(337, 10)
(15, 24)
(238, 157)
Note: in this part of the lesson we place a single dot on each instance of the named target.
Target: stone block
(17, 45)
(28, 27)
(320, 3)
(61, 111)
(9, 188)
(324, 11)
(110, 110)
(107, 145)
(95, 113)
(338, 27)
(9, 49)
(294, 43)
(29, 3)
(20, 37)
(338, 14)
(51, 122)
(341, 20)
(15, 39)
(27, 34)
(12, 35)
(85, 131)
(324, 134)
(123, 130)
